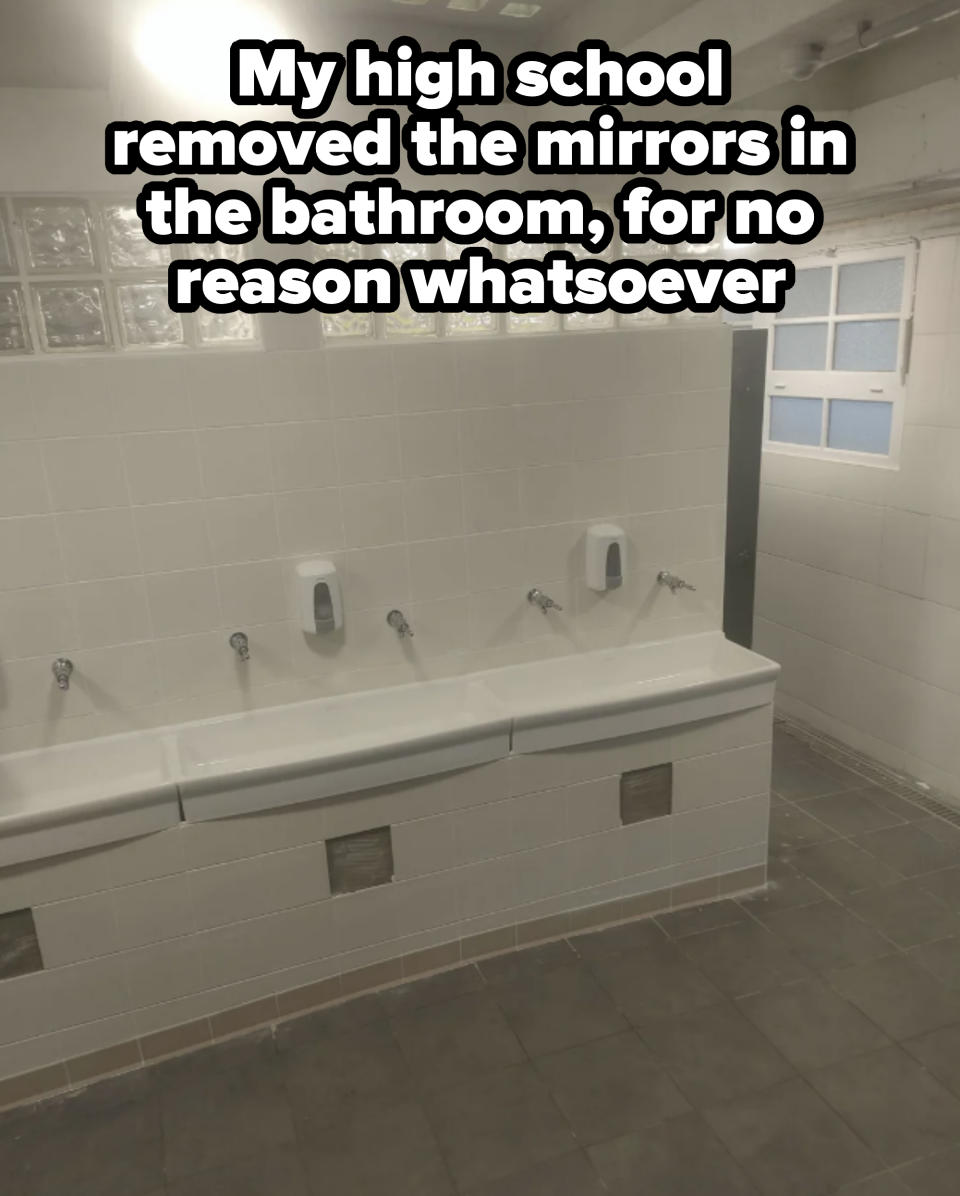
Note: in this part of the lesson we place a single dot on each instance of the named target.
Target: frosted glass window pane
(127, 247)
(800, 347)
(233, 328)
(862, 427)
(795, 420)
(867, 287)
(13, 326)
(72, 315)
(810, 295)
(58, 235)
(870, 345)
(145, 316)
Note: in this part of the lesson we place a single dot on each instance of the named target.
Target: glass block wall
(78, 275)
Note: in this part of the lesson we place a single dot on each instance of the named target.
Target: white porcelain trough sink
(629, 690)
(286, 754)
(78, 795)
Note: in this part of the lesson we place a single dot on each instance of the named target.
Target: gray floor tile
(811, 1025)
(945, 886)
(853, 813)
(791, 828)
(559, 1010)
(565, 1175)
(456, 1041)
(682, 1157)
(714, 1054)
(254, 1050)
(683, 922)
(787, 746)
(798, 780)
(790, 1141)
(933, 1176)
(941, 958)
(497, 1125)
(326, 1024)
(899, 1110)
(826, 936)
(618, 940)
(842, 868)
(901, 997)
(611, 1087)
(939, 1052)
(213, 1121)
(532, 961)
(114, 1152)
(885, 1183)
(905, 914)
(374, 1150)
(656, 983)
(431, 990)
(743, 959)
(279, 1173)
(940, 829)
(906, 811)
(342, 1070)
(787, 888)
(909, 850)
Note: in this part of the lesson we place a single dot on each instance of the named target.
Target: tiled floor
(805, 1042)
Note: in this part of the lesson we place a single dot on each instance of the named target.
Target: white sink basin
(628, 690)
(79, 795)
(286, 754)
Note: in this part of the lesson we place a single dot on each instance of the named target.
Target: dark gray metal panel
(743, 482)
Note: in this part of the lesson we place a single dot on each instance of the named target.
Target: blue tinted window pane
(800, 347)
(810, 294)
(869, 345)
(861, 427)
(871, 287)
(795, 420)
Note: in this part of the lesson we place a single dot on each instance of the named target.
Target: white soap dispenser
(606, 557)
(319, 598)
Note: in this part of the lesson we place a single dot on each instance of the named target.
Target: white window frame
(829, 384)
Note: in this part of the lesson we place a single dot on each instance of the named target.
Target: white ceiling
(68, 43)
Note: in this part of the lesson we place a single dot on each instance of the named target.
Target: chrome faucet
(538, 598)
(241, 645)
(674, 583)
(398, 621)
(62, 670)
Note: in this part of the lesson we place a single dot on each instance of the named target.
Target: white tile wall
(859, 575)
(149, 506)
(145, 935)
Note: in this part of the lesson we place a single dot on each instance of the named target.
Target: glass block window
(78, 275)
(145, 318)
(405, 321)
(14, 337)
(71, 315)
(837, 357)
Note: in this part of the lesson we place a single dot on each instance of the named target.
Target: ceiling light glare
(185, 44)
(466, 5)
(520, 10)
(418, 3)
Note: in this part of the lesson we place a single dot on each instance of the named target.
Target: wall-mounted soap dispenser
(319, 598)
(606, 556)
